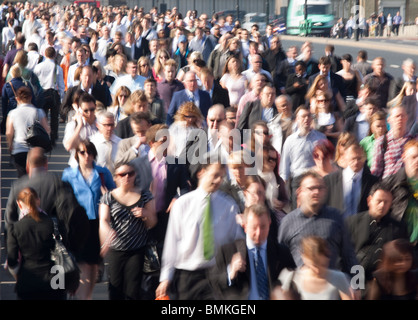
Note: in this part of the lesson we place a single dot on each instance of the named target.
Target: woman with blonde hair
(325, 119)
(144, 67)
(119, 103)
(187, 120)
(321, 83)
(158, 69)
(408, 89)
(116, 67)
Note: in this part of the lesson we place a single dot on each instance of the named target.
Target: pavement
(406, 45)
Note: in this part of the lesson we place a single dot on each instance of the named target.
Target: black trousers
(125, 274)
(191, 285)
(52, 102)
(19, 160)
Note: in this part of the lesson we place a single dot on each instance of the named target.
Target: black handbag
(37, 136)
(151, 258)
(62, 257)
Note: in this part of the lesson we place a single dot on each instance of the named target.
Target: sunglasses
(271, 159)
(145, 65)
(123, 96)
(164, 57)
(323, 100)
(130, 174)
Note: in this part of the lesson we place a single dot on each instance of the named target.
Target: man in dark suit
(192, 93)
(371, 229)
(86, 85)
(57, 199)
(349, 188)
(262, 109)
(283, 69)
(218, 94)
(167, 187)
(335, 81)
(141, 43)
(411, 105)
(238, 262)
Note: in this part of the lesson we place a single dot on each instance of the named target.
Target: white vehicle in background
(255, 18)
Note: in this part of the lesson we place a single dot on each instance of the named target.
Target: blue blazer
(88, 195)
(181, 97)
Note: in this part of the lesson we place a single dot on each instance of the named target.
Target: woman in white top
(187, 120)
(314, 280)
(18, 121)
(233, 80)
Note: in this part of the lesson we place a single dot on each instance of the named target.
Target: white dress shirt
(71, 71)
(50, 76)
(102, 148)
(183, 245)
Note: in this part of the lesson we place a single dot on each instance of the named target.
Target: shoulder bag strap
(11, 84)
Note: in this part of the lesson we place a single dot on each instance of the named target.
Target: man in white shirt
(105, 141)
(51, 78)
(118, 26)
(187, 256)
(132, 79)
(81, 57)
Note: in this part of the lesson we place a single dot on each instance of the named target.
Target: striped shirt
(327, 224)
(386, 163)
(131, 232)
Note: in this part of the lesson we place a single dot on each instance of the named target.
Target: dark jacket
(220, 95)
(335, 195)
(368, 237)
(58, 199)
(143, 50)
(32, 241)
(252, 113)
(278, 258)
(99, 92)
(296, 94)
(336, 82)
(401, 192)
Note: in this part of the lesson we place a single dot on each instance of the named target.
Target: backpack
(33, 82)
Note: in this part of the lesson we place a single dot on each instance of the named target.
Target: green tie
(208, 240)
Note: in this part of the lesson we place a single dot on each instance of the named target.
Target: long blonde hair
(398, 99)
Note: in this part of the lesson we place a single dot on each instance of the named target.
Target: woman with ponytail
(29, 244)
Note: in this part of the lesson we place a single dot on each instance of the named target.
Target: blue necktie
(261, 275)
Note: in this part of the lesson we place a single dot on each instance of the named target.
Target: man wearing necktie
(349, 188)
(247, 269)
(201, 221)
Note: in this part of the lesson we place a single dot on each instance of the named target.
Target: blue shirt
(297, 153)
(89, 193)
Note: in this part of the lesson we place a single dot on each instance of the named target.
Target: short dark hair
(86, 98)
(258, 210)
(362, 54)
(325, 60)
(24, 94)
(381, 185)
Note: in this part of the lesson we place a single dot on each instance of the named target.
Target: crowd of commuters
(377, 25)
(251, 170)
